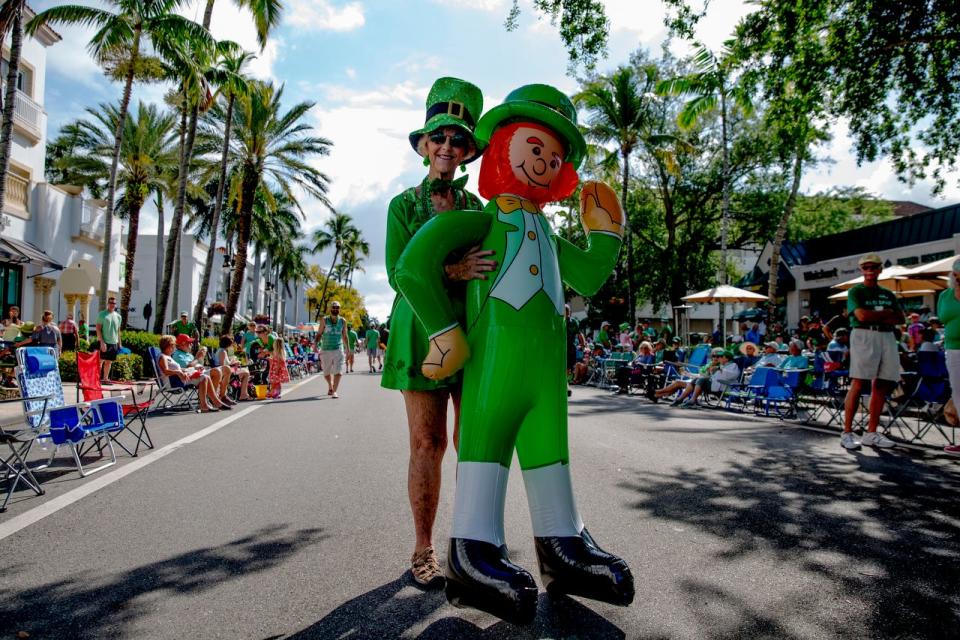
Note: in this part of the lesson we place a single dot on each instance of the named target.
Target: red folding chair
(134, 411)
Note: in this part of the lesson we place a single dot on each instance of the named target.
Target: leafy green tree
(11, 22)
(583, 27)
(132, 25)
(836, 210)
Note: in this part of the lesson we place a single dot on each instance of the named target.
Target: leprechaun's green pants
(514, 391)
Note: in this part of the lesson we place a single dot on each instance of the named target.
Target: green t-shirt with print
(109, 326)
(870, 299)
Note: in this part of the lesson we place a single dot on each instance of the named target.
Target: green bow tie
(439, 185)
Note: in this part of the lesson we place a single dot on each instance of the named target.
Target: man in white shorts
(333, 337)
(874, 313)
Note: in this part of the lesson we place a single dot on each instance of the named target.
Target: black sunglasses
(457, 140)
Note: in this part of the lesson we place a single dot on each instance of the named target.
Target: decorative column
(85, 308)
(71, 299)
(44, 286)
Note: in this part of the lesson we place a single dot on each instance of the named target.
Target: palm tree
(148, 150)
(133, 25)
(619, 113)
(11, 21)
(231, 82)
(354, 251)
(271, 149)
(713, 89)
(337, 232)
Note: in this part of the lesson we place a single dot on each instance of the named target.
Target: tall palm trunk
(326, 283)
(134, 228)
(114, 163)
(215, 223)
(725, 212)
(781, 234)
(247, 191)
(177, 265)
(158, 283)
(177, 222)
(631, 308)
(257, 266)
(9, 96)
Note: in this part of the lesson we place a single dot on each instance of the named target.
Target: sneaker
(849, 441)
(952, 449)
(426, 569)
(874, 439)
(334, 395)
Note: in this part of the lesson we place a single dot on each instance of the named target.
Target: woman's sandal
(208, 410)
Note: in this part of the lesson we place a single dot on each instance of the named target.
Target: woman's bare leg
(427, 422)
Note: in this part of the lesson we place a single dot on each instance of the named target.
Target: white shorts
(873, 354)
(332, 362)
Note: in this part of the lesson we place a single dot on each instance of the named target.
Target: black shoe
(577, 566)
(480, 575)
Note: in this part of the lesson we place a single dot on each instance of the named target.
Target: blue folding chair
(80, 427)
(929, 396)
(172, 393)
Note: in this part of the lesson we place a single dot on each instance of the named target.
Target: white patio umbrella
(898, 280)
(936, 268)
(723, 294)
(904, 294)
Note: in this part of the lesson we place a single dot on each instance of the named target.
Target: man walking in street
(372, 345)
(874, 313)
(108, 333)
(333, 337)
(352, 338)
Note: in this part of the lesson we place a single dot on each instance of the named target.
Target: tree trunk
(177, 264)
(782, 233)
(631, 306)
(9, 97)
(322, 308)
(248, 190)
(726, 209)
(257, 265)
(156, 299)
(114, 163)
(177, 222)
(132, 232)
(217, 206)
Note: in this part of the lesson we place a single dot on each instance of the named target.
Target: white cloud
(406, 93)
(229, 22)
(322, 15)
(479, 5)
(70, 58)
(350, 72)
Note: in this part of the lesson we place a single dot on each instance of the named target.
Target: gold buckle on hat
(455, 109)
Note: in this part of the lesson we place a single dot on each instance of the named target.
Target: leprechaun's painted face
(536, 157)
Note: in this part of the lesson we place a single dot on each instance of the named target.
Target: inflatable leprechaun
(513, 354)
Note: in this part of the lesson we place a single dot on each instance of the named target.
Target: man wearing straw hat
(874, 313)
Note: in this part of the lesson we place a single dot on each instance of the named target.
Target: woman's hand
(472, 266)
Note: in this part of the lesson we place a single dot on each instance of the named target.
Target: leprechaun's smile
(522, 166)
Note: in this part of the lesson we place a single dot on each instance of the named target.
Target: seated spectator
(659, 349)
(193, 376)
(220, 376)
(581, 369)
(721, 372)
(603, 336)
(637, 371)
(624, 340)
(225, 357)
(796, 359)
(840, 342)
(914, 329)
(770, 356)
(749, 355)
(937, 326)
(928, 341)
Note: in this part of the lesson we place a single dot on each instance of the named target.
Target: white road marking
(50, 507)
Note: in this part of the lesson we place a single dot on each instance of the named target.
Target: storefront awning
(21, 252)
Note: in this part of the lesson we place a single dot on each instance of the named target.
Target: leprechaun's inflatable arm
(602, 217)
(419, 271)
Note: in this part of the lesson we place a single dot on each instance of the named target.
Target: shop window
(11, 276)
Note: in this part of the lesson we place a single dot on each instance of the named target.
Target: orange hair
(496, 174)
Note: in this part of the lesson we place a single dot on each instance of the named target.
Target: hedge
(126, 367)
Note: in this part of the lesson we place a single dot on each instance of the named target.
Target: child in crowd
(278, 367)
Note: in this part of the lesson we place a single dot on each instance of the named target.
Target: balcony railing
(26, 112)
(92, 220)
(17, 189)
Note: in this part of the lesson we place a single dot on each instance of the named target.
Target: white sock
(550, 497)
(478, 506)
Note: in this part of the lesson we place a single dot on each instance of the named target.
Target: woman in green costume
(445, 141)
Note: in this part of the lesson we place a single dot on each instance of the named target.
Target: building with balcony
(51, 236)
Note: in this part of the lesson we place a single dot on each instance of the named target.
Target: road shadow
(398, 609)
(885, 535)
(87, 606)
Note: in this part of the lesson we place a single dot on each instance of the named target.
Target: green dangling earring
(426, 161)
(463, 168)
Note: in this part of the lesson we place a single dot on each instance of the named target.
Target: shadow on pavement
(86, 606)
(399, 609)
(884, 535)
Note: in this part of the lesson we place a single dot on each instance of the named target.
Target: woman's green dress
(408, 345)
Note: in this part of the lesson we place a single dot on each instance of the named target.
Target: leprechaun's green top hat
(452, 102)
(537, 103)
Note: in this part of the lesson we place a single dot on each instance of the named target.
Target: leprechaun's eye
(536, 151)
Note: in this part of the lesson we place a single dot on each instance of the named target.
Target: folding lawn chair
(78, 428)
(172, 393)
(822, 393)
(135, 411)
(929, 395)
(13, 465)
(751, 391)
(699, 357)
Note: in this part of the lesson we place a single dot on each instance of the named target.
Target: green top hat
(538, 103)
(452, 102)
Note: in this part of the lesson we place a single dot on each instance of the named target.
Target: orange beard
(497, 175)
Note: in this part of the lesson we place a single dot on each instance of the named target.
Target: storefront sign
(820, 275)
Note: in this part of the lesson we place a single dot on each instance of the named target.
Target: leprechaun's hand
(600, 210)
(448, 353)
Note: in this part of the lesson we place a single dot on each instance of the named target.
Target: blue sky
(368, 64)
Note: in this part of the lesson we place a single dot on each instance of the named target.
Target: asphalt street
(292, 521)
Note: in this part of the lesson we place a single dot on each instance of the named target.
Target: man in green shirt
(108, 334)
(183, 326)
(372, 341)
(332, 341)
(352, 338)
(874, 314)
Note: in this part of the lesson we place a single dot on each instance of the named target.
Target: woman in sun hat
(445, 142)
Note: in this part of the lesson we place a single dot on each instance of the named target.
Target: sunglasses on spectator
(457, 140)
(870, 267)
